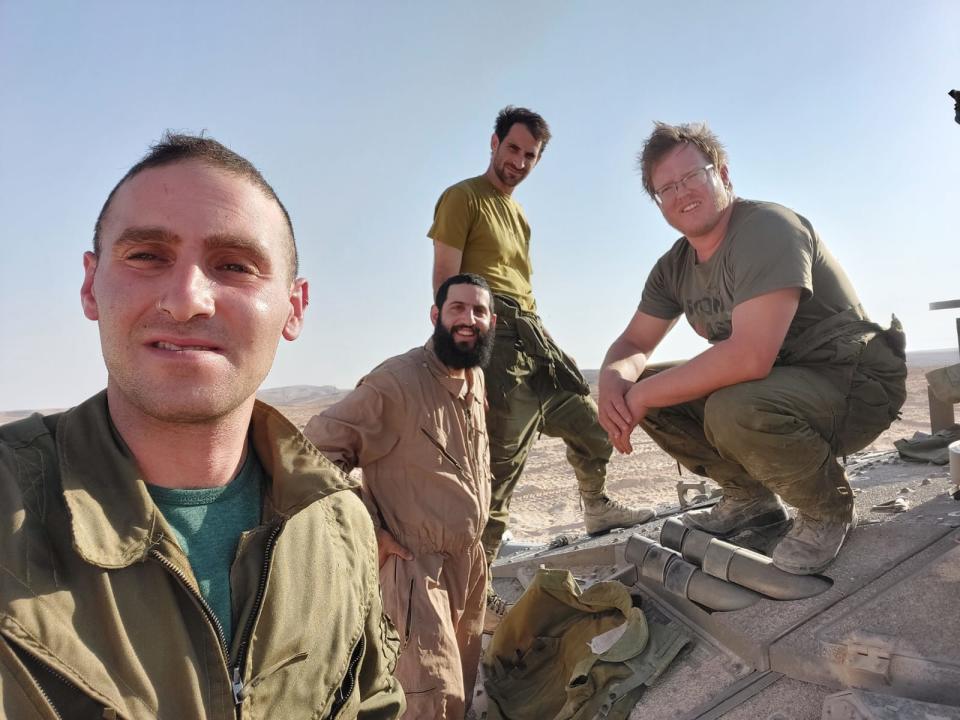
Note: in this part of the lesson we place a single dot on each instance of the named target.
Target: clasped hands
(622, 407)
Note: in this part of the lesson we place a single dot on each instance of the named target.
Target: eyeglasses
(693, 179)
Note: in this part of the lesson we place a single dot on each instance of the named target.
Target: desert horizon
(546, 502)
(310, 395)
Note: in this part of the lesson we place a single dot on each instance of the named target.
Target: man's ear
(299, 299)
(88, 299)
(493, 321)
(494, 142)
(725, 176)
(434, 315)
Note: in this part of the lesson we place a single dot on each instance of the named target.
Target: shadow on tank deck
(888, 624)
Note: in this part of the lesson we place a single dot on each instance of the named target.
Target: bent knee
(738, 410)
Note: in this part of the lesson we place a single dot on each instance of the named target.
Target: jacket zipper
(343, 692)
(248, 630)
(49, 670)
(211, 616)
(43, 692)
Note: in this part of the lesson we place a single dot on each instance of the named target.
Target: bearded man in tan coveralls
(416, 426)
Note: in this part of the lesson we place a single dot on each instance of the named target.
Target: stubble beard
(197, 405)
(172, 397)
(721, 202)
(501, 173)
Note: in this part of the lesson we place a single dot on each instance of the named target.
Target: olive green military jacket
(100, 615)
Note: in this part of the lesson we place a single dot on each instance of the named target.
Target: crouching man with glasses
(796, 377)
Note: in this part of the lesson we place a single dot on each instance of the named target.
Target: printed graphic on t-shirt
(708, 317)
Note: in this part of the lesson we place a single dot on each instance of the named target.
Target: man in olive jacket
(172, 547)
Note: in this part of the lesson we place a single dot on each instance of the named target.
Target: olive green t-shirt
(491, 230)
(767, 247)
(207, 523)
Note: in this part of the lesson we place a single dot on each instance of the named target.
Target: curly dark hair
(535, 123)
(461, 279)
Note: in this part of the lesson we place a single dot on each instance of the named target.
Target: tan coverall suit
(420, 437)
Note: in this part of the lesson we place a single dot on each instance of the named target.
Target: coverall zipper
(443, 450)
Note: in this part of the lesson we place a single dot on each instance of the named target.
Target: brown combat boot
(601, 514)
(730, 516)
(811, 544)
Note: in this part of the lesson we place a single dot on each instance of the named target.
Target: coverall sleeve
(363, 427)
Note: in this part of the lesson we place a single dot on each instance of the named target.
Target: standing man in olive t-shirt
(532, 385)
(797, 375)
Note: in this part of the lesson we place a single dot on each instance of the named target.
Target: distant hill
(7, 416)
(311, 398)
(919, 360)
(294, 395)
(928, 359)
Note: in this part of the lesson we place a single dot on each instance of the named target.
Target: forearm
(446, 263)
(722, 365)
(624, 359)
(439, 275)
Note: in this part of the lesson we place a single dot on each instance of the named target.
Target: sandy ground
(546, 504)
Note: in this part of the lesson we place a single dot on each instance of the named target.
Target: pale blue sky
(360, 114)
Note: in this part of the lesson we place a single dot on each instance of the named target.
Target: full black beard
(461, 358)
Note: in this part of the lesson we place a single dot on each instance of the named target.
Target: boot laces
(495, 603)
(617, 505)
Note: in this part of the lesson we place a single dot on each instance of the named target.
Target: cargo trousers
(533, 387)
(787, 432)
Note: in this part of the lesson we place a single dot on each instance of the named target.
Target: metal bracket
(872, 660)
(700, 486)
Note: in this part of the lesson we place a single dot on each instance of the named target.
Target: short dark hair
(510, 116)
(177, 147)
(461, 279)
(666, 137)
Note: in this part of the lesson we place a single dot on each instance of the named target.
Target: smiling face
(463, 328)
(513, 157)
(696, 208)
(191, 291)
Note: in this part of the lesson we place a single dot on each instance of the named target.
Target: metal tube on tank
(733, 563)
(665, 567)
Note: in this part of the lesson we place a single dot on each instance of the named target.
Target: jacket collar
(113, 518)
(463, 389)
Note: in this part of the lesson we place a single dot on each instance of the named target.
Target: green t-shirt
(492, 232)
(207, 523)
(767, 247)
